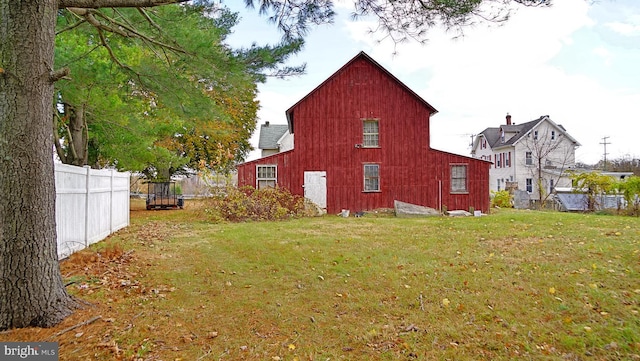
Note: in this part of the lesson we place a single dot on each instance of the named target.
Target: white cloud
(604, 54)
(475, 80)
(624, 29)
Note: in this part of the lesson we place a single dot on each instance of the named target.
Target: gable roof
(361, 55)
(494, 135)
(270, 134)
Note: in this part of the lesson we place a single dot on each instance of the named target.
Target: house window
(528, 158)
(498, 160)
(370, 135)
(459, 178)
(266, 176)
(371, 178)
(535, 135)
(551, 185)
(553, 135)
(507, 160)
(529, 185)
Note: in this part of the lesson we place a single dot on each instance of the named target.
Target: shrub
(501, 199)
(247, 203)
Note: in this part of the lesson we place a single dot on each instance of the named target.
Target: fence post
(111, 193)
(86, 205)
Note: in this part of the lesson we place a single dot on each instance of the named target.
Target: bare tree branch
(97, 4)
(58, 74)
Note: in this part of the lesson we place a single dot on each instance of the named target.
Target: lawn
(510, 285)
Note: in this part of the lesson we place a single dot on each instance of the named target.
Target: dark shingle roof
(493, 135)
(270, 134)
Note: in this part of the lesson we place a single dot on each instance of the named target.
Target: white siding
(560, 159)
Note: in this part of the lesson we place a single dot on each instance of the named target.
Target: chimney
(508, 119)
(266, 124)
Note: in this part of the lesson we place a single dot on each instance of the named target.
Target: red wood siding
(328, 125)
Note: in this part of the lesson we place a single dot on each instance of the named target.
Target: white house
(532, 156)
(274, 138)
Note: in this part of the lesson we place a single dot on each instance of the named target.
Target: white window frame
(370, 137)
(529, 185)
(459, 181)
(371, 177)
(266, 180)
(528, 158)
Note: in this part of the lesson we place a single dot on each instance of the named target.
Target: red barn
(361, 142)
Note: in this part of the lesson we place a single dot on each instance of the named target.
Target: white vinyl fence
(90, 205)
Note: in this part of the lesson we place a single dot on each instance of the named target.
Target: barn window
(266, 176)
(371, 178)
(459, 178)
(370, 135)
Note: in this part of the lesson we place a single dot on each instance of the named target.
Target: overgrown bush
(501, 199)
(247, 203)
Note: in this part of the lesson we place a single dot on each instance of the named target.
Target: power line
(604, 142)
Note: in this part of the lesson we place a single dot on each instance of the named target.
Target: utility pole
(604, 142)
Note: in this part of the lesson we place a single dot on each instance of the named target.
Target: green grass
(511, 285)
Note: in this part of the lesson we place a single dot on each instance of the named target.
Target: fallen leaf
(445, 302)
(292, 347)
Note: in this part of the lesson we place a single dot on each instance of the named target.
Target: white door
(315, 188)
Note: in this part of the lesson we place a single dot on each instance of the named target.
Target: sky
(577, 61)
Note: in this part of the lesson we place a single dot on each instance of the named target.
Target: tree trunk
(76, 136)
(79, 134)
(31, 289)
